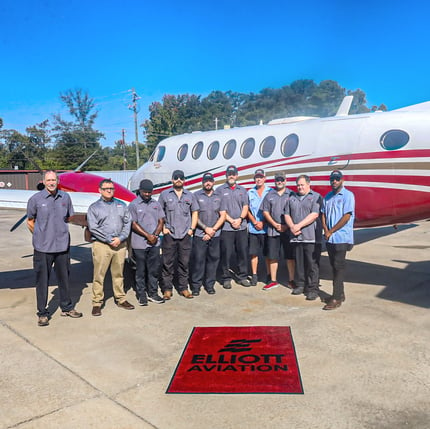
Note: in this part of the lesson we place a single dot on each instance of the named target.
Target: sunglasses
(178, 177)
(335, 178)
(107, 189)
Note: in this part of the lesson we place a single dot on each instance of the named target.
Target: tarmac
(364, 365)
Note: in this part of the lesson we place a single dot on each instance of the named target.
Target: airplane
(384, 156)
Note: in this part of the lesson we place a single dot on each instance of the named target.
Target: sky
(174, 47)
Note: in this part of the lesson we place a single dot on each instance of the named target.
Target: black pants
(205, 257)
(234, 242)
(337, 256)
(307, 271)
(42, 263)
(148, 262)
(175, 250)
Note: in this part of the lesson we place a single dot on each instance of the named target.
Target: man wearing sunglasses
(109, 222)
(338, 221)
(181, 209)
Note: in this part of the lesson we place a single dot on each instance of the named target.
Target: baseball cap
(178, 174)
(279, 178)
(208, 177)
(231, 169)
(259, 173)
(146, 185)
(336, 175)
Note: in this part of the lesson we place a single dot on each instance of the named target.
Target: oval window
(160, 154)
(213, 149)
(182, 152)
(394, 139)
(197, 150)
(229, 149)
(247, 148)
(267, 146)
(289, 145)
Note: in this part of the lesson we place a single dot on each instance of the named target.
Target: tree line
(63, 144)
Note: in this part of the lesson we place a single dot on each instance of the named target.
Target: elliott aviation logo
(234, 357)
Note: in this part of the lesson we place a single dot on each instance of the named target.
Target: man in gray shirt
(302, 217)
(47, 216)
(109, 223)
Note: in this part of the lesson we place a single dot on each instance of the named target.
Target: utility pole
(123, 150)
(135, 109)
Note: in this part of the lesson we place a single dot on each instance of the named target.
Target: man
(302, 217)
(278, 244)
(234, 239)
(338, 221)
(205, 253)
(47, 216)
(147, 218)
(257, 228)
(181, 209)
(109, 224)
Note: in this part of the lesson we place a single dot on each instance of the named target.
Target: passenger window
(182, 152)
(213, 149)
(394, 139)
(197, 150)
(267, 146)
(160, 154)
(229, 149)
(289, 145)
(247, 147)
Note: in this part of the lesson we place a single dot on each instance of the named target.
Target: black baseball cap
(208, 177)
(178, 174)
(231, 169)
(279, 178)
(146, 185)
(336, 175)
(259, 173)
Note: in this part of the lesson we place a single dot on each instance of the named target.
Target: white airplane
(384, 156)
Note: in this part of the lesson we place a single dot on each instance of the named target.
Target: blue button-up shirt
(255, 207)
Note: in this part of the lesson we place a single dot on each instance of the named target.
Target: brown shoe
(126, 305)
(97, 310)
(332, 304)
(330, 297)
(186, 294)
(72, 313)
(167, 294)
(43, 321)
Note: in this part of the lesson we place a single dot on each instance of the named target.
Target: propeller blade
(18, 223)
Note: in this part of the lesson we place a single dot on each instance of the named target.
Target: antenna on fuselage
(345, 106)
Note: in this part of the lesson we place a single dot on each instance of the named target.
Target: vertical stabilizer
(345, 106)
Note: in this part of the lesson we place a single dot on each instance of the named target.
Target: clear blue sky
(173, 47)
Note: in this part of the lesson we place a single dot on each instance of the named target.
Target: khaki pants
(103, 256)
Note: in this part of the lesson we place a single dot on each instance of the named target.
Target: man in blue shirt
(47, 216)
(338, 221)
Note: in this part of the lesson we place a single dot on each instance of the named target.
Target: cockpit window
(213, 149)
(229, 149)
(289, 145)
(394, 139)
(182, 152)
(197, 150)
(247, 147)
(267, 146)
(160, 153)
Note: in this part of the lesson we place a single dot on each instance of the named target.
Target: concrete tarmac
(364, 365)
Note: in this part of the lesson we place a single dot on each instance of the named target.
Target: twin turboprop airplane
(384, 156)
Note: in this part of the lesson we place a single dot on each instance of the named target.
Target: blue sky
(174, 47)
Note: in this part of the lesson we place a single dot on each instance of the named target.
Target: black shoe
(254, 280)
(312, 295)
(43, 321)
(195, 292)
(298, 290)
(227, 284)
(143, 302)
(156, 299)
(244, 282)
(211, 291)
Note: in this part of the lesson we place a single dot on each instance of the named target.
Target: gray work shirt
(274, 204)
(109, 219)
(298, 208)
(147, 215)
(50, 212)
(233, 201)
(209, 208)
(178, 211)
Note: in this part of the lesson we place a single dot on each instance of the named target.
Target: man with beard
(338, 221)
(302, 217)
(147, 223)
(234, 235)
(181, 209)
(47, 216)
(206, 242)
(278, 244)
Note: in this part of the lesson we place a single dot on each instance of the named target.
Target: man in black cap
(181, 209)
(234, 235)
(147, 223)
(206, 242)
